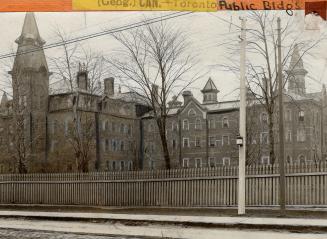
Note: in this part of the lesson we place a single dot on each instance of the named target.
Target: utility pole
(242, 137)
(281, 123)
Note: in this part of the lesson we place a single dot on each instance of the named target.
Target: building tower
(30, 80)
(297, 73)
(210, 92)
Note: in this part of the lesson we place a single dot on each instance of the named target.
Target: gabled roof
(210, 87)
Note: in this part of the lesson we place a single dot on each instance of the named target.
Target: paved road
(47, 229)
(29, 234)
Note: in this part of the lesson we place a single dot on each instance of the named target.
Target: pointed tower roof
(296, 64)
(30, 52)
(4, 100)
(30, 30)
(210, 87)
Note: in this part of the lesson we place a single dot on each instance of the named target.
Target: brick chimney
(187, 95)
(82, 78)
(109, 86)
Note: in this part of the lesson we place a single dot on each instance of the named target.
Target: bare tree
(155, 61)
(75, 60)
(262, 65)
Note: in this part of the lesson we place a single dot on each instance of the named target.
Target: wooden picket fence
(306, 184)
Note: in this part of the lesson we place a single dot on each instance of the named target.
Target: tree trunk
(271, 138)
(162, 132)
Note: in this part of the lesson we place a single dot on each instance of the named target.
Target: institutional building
(118, 132)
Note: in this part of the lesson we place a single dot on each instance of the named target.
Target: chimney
(82, 78)
(109, 86)
(187, 95)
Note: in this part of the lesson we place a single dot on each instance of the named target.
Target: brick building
(52, 125)
(119, 132)
(204, 134)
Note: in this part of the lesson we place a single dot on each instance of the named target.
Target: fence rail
(306, 184)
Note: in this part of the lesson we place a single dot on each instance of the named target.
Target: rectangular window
(289, 136)
(113, 166)
(197, 142)
(301, 116)
(301, 135)
(212, 162)
(289, 115)
(265, 160)
(122, 165)
(53, 145)
(225, 140)
(264, 117)
(264, 138)
(107, 145)
(66, 127)
(198, 163)
(211, 123)
(226, 161)
(186, 142)
(130, 165)
(152, 164)
(186, 163)
(212, 141)
(225, 122)
(198, 124)
(185, 125)
(174, 144)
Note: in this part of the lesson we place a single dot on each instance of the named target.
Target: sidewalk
(288, 224)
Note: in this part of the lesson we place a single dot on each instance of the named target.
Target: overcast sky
(205, 31)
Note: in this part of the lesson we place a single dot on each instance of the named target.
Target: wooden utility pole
(242, 146)
(281, 123)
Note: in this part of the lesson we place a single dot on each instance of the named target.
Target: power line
(99, 34)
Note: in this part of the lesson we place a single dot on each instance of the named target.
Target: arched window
(191, 112)
(198, 124)
(185, 124)
(289, 159)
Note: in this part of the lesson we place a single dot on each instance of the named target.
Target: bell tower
(30, 80)
(296, 74)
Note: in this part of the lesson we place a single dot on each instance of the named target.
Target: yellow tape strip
(145, 5)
